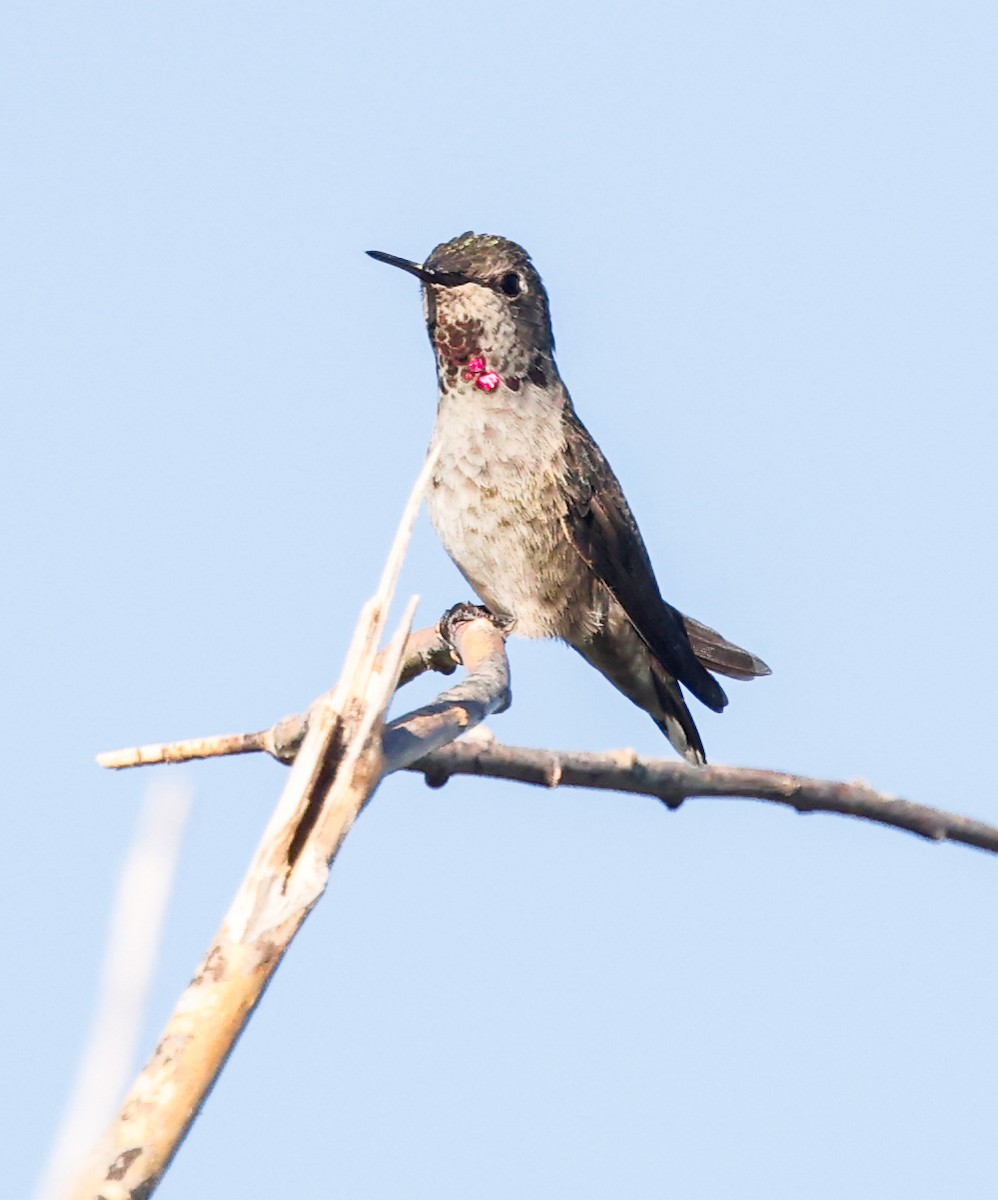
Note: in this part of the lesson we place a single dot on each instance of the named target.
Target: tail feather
(675, 720)
(619, 652)
(716, 653)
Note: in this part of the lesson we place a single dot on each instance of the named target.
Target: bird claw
(466, 611)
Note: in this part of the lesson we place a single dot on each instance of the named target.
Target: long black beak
(441, 278)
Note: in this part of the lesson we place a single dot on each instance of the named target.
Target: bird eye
(510, 284)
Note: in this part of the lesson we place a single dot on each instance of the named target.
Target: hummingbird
(527, 505)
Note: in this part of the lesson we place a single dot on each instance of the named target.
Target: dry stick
(485, 691)
(269, 907)
(335, 772)
(130, 958)
(252, 939)
(674, 782)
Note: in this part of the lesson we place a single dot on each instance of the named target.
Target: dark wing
(605, 533)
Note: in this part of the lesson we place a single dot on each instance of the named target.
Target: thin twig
(673, 782)
(425, 650)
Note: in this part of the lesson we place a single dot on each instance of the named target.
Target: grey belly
(502, 525)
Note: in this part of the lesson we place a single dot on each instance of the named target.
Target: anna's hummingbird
(527, 506)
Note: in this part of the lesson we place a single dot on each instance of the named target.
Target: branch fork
(339, 750)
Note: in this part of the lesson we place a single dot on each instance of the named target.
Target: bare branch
(670, 781)
(673, 782)
(286, 878)
(341, 749)
(481, 647)
(186, 750)
(335, 772)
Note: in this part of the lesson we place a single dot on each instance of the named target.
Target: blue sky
(768, 232)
